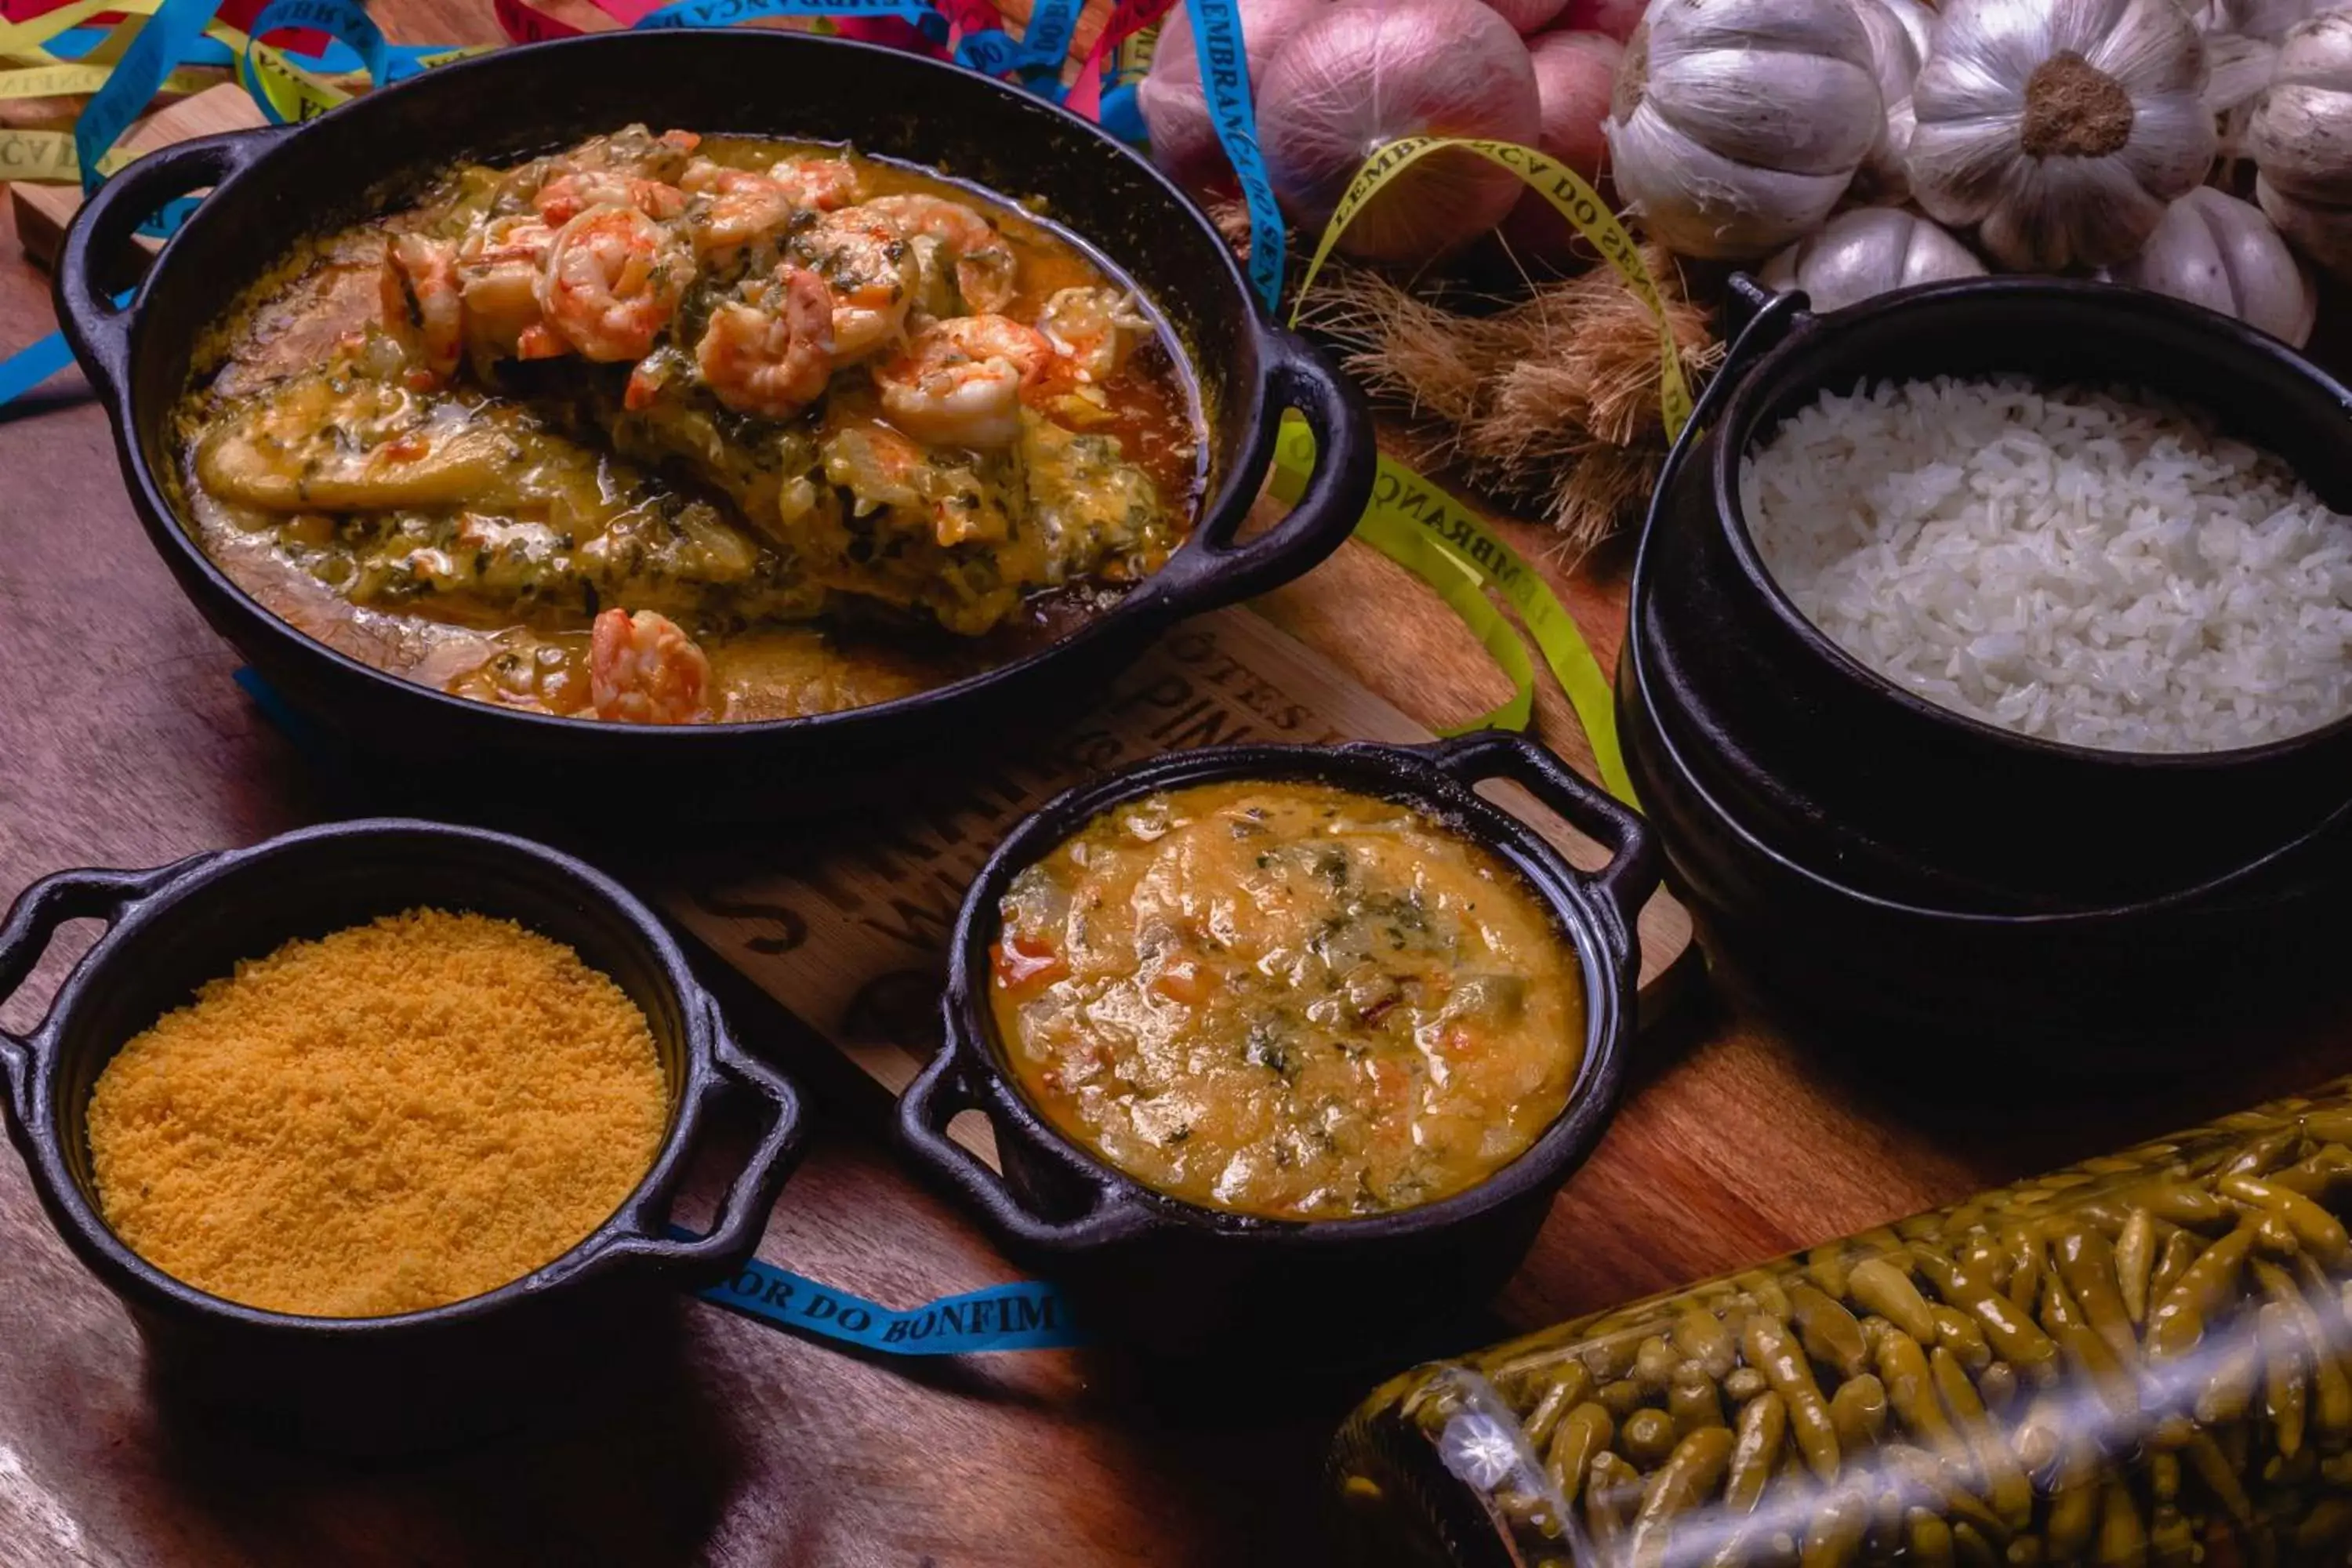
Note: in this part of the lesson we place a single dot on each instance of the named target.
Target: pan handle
(941, 1090)
(697, 1261)
(1625, 883)
(99, 330)
(1213, 568)
(102, 895)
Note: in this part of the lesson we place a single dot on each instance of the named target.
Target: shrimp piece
(770, 354)
(643, 670)
(734, 206)
(612, 282)
(422, 286)
(953, 236)
(960, 381)
(1092, 331)
(566, 196)
(869, 267)
(498, 269)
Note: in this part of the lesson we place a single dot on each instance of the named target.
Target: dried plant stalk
(1549, 403)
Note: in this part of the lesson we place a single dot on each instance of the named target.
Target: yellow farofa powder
(392, 1118)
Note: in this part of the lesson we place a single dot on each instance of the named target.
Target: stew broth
(678, 428)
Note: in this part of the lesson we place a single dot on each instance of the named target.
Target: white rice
(2104, 571)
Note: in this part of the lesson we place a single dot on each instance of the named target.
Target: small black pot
(271, 188)
(1179, 1280)
(420, 1378)
(1878, 859)
(1797, 737)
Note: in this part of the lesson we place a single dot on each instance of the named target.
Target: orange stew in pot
(678, 428)
(1288, 1000)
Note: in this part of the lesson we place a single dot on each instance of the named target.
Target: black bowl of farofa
(419, 1379)
(1181, 1281)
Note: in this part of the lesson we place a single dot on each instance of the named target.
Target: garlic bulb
(2301, 141)
(2214, 250)
(1736, 125)
(2264, 19)
(2061, 128)
(1868, 251)
(1918, 20)
(1896, 56)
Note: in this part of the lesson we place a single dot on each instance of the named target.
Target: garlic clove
(2322, 232)
(2214, 250)
(1958, 166)
(1704, 205)
(2301, 138)
(1867, 251)
(1822, 118)
(2093, 213)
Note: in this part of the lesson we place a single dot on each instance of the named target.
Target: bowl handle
(1213, 569)
(107, 896)
(1625, 883)
(98, 329)
(939, 1093)
(700, 1260)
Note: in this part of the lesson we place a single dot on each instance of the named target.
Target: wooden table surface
(123, 741)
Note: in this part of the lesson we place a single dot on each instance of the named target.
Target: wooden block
(850, 933)
(44, 211)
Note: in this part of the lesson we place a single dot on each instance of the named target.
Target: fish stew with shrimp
(676, 428)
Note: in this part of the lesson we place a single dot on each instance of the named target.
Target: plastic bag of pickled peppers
(2141, 1360)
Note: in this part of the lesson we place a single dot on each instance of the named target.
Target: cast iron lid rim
(1406, 775)
(154, 1287)
(2057, 921)
(1146, 607)
(1741, 417)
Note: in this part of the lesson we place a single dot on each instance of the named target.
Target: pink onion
(1175, 108)
(1360, 76)
(1527, 16)
(1618, 18)
(1575, 73)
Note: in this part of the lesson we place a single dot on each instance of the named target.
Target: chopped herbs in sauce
(1289, 1000)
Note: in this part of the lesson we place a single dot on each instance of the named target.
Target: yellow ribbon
(1419, 525)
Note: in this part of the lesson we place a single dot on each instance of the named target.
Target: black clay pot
(272, 188)
(424, 1379)
(1178, 1280)
(1880, 859)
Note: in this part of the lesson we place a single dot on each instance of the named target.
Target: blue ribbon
(154, 53)
(720, 13)
(37, 360)
(1037, 56)
(1030, 1316)
(339, 19)
(1224, 73)
(404, 60)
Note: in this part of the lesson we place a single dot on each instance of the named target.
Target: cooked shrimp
(423, 284)
(956, 239)
(498, 269)
(612, 282)
(1092, 331)
(959, 381)
(643, 670)
(771, 353)
(869, 267)
(566, 196)
(734, 206)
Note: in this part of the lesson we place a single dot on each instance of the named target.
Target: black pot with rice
(1988, 661)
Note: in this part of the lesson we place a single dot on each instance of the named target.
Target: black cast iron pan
(270, 188)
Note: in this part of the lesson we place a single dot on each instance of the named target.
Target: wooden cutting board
(850, 933)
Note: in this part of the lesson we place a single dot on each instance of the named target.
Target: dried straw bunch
(1548, 402)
